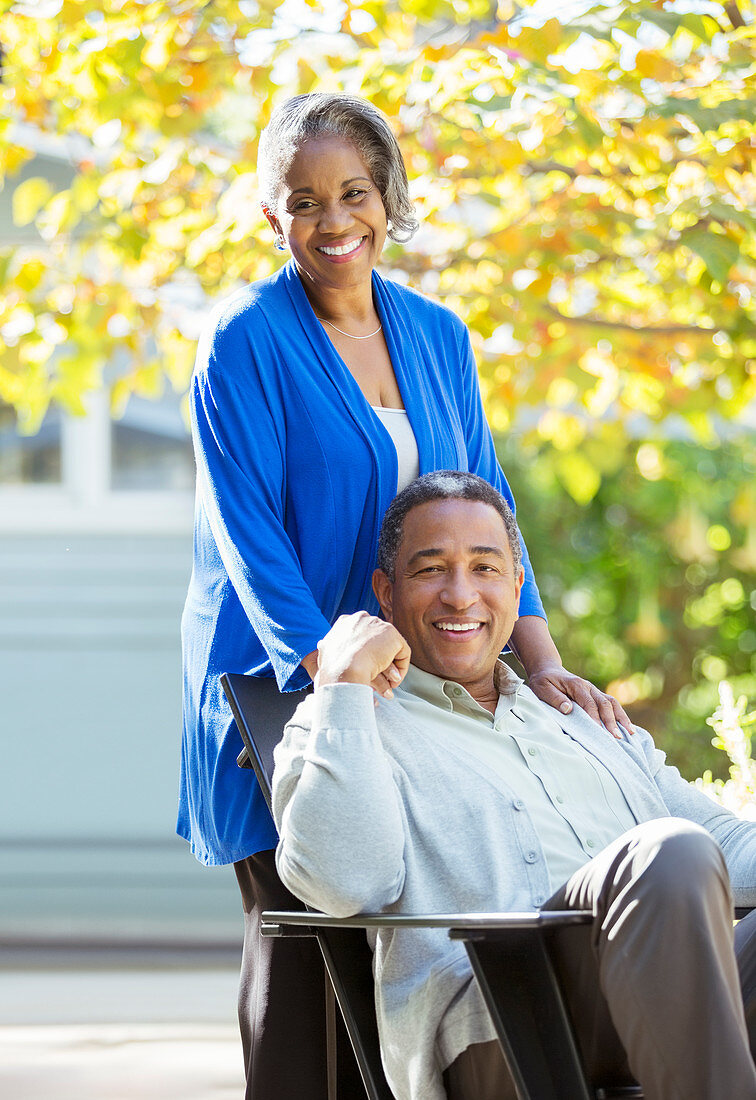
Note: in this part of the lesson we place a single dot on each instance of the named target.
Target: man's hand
(558, 687)
(362, 649)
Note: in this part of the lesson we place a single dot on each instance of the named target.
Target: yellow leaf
(539, 42)
(12, 157)
(652, 65)
(29, 198)
(580, 477)
(157, 53)
(29, 275)
(561, 393)
(35, 350)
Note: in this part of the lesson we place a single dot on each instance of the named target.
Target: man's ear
(518, 586)
(384, 592)
(273, 221)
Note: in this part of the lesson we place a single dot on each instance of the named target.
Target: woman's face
(331, 214)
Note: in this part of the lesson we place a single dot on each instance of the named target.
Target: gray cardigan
(373, 814)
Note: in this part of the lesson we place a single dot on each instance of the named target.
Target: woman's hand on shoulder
(561, 689)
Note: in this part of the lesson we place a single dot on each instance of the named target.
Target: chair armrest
(461, 925)
(744, 897)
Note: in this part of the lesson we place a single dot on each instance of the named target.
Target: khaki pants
(659, 964)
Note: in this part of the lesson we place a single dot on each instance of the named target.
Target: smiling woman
(318, 393)
(331, 215)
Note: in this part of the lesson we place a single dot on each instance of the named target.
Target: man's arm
(335, 802)
(736, 837)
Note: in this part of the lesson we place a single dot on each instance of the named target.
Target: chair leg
(522, 994)
(332, 1068)
(348, 962)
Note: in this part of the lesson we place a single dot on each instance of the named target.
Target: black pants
(282, 998)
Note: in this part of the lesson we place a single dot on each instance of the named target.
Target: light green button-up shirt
(574, 802)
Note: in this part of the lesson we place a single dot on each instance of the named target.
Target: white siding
(90, 718)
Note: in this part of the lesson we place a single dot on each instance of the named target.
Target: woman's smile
(342, 253)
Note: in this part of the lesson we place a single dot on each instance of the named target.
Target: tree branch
(619, 170)
(733, 14)
(624, 326)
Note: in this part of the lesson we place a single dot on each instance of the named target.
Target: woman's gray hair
(357, 121)
(441, 485)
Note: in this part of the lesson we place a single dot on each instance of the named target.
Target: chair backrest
(261, 711)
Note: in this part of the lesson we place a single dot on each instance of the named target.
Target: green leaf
(718, 252)
(698, 25)
(709, 118)
(591, 134)
(579, 476)
(29, 198)
(665, 20)
(725, 212)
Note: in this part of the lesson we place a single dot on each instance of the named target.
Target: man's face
(456, 593)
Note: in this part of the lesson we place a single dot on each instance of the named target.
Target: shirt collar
(441, 692)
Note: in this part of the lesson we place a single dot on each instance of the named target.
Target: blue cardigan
(294, 474)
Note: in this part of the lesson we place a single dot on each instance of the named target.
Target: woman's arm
(310, 663)
(240, 478)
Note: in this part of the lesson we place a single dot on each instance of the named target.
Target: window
(150, 447)
(31, 459)
(96, 474)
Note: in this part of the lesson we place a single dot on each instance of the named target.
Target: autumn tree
(586, 187)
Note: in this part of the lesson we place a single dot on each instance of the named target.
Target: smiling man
(424, 776)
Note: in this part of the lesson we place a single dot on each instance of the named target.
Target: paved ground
(119, 1033)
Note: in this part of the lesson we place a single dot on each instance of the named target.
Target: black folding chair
(512, 955)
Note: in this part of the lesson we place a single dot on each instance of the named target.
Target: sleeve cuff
(344, 706)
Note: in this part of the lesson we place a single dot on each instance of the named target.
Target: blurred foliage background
(585, 177)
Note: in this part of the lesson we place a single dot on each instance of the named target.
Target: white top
(396, 422)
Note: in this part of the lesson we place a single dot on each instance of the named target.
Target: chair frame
(509, 953)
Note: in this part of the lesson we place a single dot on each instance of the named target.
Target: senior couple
(318, 393)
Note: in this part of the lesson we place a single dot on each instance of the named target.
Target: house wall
(90, 658)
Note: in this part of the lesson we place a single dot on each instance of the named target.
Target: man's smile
(459, 628)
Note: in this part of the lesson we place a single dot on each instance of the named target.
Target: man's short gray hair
(322, 113)
(440, 485)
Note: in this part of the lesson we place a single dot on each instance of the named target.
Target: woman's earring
(280, 242)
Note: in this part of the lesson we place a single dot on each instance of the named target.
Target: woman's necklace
(325, 322)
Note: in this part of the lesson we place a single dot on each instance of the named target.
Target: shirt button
(591, 842)
(559, 799)
(532, 752)
(456, 691)
(539, 899)
(531, 857)
(518, 804)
